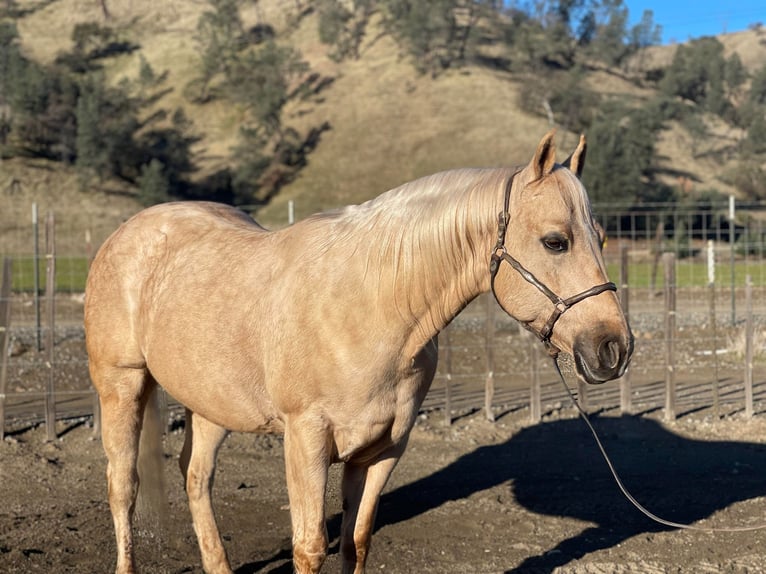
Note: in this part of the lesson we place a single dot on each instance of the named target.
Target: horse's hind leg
(197, 462)
(123, 393)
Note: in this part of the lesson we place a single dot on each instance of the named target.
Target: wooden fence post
(489, 387)
(50, 300)
(535, 399)
(582, 394)
(669, 265)
(36, 275)
(626, 390)
(659, 236)
(5, 335)
(447, 358)
(749, 329)
(96, 414)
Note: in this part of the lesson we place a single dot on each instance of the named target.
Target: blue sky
(682, 20)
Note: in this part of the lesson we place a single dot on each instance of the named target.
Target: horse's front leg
(362, 485)
(307, 459)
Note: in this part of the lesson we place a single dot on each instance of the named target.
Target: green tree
(757, 93)
(699, 73)
(107, 127)
(735, 75)
(220, 38)
(609, 39)
(92, 156)
(436, 34)
(755, 140)
(646, 33)
(10, 59)
(621, 156)
(153, 186)
(91, 43)
(260, 80)
(251, 164)
(752, 114)
(41, 104)
(171, 144)
(749, 178)
(342, 26)
(561, 96)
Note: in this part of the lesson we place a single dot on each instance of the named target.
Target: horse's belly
(232, 398)
(236, 415)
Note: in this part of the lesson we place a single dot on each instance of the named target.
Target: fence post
(669, 264)
(732, 261)
(447, 356)
(5, 335)
(96, 414)
(50, 300)
(582, 394)
(626, 390)
(749, 329)
(489, 388)
(535, 400)
(36, 275)
(659, 236)
(714, 327)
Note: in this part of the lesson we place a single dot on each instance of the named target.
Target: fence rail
(695, 302)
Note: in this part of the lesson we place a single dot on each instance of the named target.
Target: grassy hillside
(387, 123)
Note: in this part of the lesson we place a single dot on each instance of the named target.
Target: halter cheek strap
(500, 253)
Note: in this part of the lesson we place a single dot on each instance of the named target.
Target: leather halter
(500, 253)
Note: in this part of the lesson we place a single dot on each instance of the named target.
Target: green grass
(71, 273)
(692, 274)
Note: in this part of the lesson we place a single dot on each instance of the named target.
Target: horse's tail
(152, 501)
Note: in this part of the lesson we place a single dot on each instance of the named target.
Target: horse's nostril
(609, 354)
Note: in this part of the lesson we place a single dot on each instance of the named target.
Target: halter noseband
(500, 253)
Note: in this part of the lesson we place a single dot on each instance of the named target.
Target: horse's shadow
(555, 469)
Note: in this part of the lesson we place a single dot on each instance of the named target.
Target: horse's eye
(555, 242)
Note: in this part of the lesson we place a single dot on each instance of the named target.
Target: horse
(327, 330)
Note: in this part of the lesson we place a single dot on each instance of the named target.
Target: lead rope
(625, 492)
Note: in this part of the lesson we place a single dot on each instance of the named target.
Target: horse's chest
(386, 417)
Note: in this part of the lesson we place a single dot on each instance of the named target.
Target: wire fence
(705, 351)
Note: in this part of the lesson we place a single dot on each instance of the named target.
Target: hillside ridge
(385, 122)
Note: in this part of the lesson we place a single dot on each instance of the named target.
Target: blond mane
(443, 219)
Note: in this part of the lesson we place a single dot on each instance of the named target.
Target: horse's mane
(428, 214)
(418, 230)
(425, 233)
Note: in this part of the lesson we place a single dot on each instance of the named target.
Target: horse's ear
(545, 156)
(576, 162)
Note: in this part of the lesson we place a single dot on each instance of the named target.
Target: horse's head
(555, 280)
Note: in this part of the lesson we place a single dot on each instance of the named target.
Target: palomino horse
(326, 330)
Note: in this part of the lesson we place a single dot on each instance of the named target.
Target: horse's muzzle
(601, 359)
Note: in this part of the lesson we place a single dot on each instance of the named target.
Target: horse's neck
(443, 259)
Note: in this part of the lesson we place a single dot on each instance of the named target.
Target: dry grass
(390, 125)
(98, 210)
(387, 124)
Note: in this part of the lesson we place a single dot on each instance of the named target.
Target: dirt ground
(474, 497)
